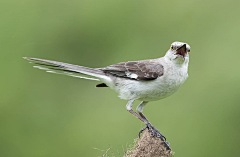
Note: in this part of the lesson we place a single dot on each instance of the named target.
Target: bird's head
(178, 52)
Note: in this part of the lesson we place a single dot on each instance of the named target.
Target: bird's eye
(189, 51)
(172, 48)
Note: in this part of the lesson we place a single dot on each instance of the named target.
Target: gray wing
(144, 70)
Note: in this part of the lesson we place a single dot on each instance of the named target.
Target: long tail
(67, 69)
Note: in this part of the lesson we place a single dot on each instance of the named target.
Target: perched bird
(144, 80)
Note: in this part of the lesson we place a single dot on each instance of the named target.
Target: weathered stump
(148, 146)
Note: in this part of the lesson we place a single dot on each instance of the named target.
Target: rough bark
(148, 146)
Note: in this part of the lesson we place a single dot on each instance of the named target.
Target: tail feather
(67, 69)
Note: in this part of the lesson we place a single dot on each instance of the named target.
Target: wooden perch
(148, 146)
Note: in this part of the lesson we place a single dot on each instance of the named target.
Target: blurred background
(49, 115)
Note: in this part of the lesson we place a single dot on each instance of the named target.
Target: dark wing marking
(101, 85)
(145, 70)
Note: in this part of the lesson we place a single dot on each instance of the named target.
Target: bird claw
(141, 131)
(154, 132)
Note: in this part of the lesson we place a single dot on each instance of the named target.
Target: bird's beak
(182, 51)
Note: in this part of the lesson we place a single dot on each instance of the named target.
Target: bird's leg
(129, 108)
(151, 128)
(140, 109)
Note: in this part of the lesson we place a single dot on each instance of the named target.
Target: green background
(48, 115)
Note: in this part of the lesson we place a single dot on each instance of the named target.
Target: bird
(144, 80)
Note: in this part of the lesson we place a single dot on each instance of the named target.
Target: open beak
(181, 51)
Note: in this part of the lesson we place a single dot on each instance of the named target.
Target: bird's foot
(155, 133)
(141, 131)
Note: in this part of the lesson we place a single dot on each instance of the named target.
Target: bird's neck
(176, 62)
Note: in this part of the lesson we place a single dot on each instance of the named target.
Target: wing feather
(144, 70)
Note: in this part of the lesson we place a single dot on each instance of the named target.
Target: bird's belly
(147, 90)
(158, 92)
